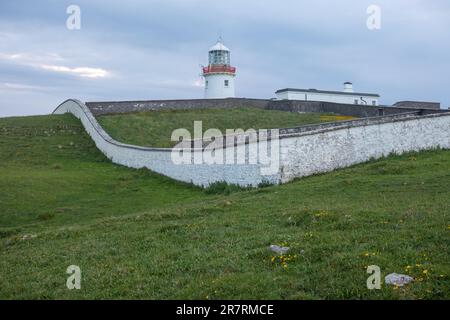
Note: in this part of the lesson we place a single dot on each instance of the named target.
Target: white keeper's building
(347, 96)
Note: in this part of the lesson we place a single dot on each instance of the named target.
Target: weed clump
(222, 187)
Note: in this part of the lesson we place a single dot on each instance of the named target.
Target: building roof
(329, 92)
(219, 46)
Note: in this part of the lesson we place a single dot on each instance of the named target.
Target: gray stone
(397, 279)
(279, 250)
(28, 236)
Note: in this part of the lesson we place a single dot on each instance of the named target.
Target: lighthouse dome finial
(219, 46)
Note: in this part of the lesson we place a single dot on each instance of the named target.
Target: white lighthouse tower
(219, 74)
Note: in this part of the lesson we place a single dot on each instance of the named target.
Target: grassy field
(135, 234)
(155, 128)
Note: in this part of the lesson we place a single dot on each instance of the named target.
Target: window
(356, 101)
(225, 82)
(374, 103)
(219, 57)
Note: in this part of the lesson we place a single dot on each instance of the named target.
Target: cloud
(80, 71)
(31, 60)
(27, 58)
(6, 86)
(153, 49)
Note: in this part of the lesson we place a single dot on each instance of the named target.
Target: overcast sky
(153, 49)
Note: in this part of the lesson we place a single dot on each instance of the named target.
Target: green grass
(155, 128)
(135, 234)
(46, 168)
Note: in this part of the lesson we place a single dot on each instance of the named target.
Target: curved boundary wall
(114, 107)
(159, 159)
(303, 151)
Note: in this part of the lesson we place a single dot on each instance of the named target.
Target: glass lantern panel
(219, 57)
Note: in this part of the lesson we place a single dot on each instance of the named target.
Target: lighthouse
(219, 74)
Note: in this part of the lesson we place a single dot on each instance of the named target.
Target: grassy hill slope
(139, 235)
(154, 129)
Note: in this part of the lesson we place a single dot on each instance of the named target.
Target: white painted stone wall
(301, 154)
(332, 149)
(159, 159)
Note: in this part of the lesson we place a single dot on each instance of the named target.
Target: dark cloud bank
(153, 49)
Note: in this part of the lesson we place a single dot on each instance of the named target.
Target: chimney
(348, 87)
